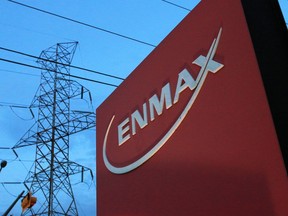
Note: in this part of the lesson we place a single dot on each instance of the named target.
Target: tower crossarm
(79, 121)
(75, 168)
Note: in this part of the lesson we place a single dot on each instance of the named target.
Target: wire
(70, 75)
(84, 24)
(37, 32)
(72, 66)
(17, 160)
(20, 116)
(11, 182)
(3, 185)
(24, 165)
(13, 105)
(18, 72)
(176, 5)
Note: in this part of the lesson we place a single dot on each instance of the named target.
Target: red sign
(189, 132)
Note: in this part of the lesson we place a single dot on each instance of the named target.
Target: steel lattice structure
(50, 134)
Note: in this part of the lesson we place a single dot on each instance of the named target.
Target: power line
(3, 185)
(18, 72)
(176, 5)
(18, 160)
(72, 66)
(5, 148)
(70, 75)
(11, 182)
(13, 105)
(82, 23)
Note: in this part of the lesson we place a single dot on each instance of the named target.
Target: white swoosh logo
(207, 64)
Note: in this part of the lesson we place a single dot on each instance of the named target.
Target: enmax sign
(200, 143)
(185, 80)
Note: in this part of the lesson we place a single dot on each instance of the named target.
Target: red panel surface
(224, 157)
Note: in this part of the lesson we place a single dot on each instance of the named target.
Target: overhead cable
(176, 5)
(18, 72)
(59, 63)
(70, 75)
(82, 23)
(13, 105)
(5, 148)
(11, 182)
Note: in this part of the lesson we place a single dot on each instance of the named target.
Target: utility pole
(50, 180)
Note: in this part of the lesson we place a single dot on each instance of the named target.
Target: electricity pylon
(50, 133)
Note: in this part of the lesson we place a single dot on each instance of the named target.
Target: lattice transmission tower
(49, 177)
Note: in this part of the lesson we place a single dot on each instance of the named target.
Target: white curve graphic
(199, 83)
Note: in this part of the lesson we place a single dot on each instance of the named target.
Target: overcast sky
(135, 28)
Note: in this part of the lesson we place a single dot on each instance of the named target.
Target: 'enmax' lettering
(155, 105)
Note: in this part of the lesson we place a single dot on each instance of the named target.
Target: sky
(116, 37)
